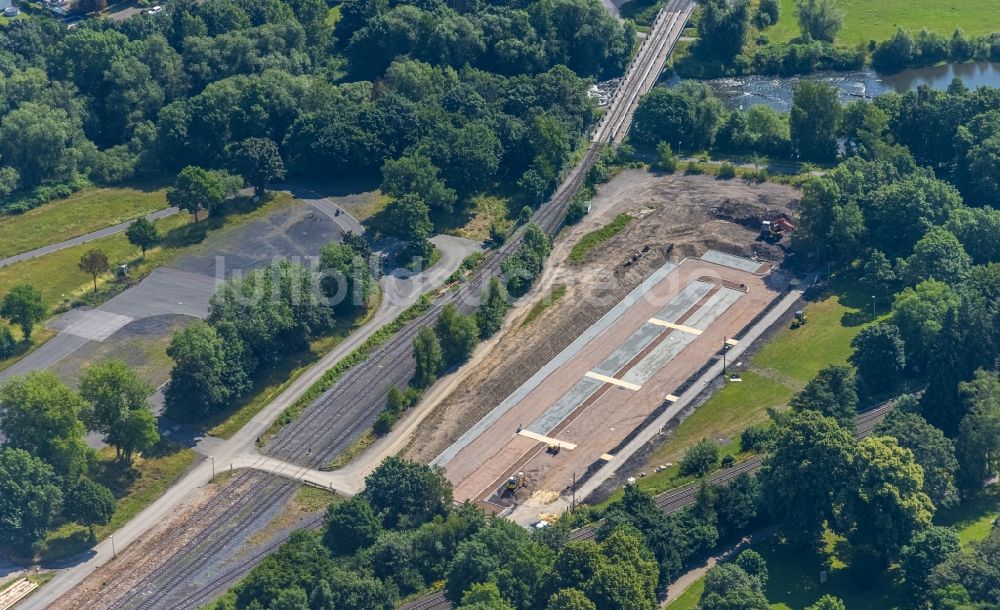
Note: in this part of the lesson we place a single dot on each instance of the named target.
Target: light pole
(724, 356)
(114, 553)
(873, 307)
(212, 457)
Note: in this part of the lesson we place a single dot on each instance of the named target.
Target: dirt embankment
(676, 217)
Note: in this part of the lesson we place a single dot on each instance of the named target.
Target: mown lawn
(61, 281)
(771, 377)
(154, 474)
(865, 20)
(973, 518)
(78, 214)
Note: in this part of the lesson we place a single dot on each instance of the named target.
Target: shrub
(727, 171)
(7, 343)
(700, 459)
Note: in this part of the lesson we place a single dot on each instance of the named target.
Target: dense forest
(480, 91)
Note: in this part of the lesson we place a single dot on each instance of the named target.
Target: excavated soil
(676, 216)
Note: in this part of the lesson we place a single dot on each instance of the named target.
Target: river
(776, 91)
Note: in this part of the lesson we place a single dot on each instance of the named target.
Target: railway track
(349, 408)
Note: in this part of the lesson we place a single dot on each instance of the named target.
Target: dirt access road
(687, 214)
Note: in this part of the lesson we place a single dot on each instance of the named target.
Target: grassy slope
(78, 214)
(866, 20)
(772, 376)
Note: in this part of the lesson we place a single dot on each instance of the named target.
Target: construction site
(644, 315)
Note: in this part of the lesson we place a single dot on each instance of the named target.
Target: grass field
(153, 476)
(595, 238)
(78, 214)
(865, 20)
(64, 281)
(771, 377)
(973, 518)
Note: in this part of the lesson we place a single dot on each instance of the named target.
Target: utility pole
(724, 339)
(572, 506)
(212, 457)
(114, 554)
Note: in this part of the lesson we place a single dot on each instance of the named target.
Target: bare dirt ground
(677, 216)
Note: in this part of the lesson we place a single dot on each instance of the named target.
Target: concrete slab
(555, 364)
(731, 260)
(672, 326)
(583, 390)
(618, 382)
(658, 358)
(165, 291)
(92, 324)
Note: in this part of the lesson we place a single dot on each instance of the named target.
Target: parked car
(11, 11)
(156, 10)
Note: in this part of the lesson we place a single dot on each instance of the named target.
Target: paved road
(76, 241)
(240, 449)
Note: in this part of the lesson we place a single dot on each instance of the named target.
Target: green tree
(879, 356)
(38, 142)
(30, 499)
(114, 393)
(407, 494)
(830, 393)
(201, 379)
(920, 314)
(828, 602)
(666, 160)
(8, 345)
(931, 448)
(879, 276)
(457, 334)
(196, 189)
(700, 459)
(142, 233)
(815, 120)
(347, 279)
(258, 161)
(885, 504)
(350, 526)
(686, 116)
(407, 217)
(978, 443)
(484, 596)
(570, 599)
(23, 306)
(427, 353)
(819, 19)
(938, 255)
(802, 477)
(89, 503)
(729, 587)
(39, 414)
(491, 312)
(95, 263)
(768, 13)
(293, 598)
(628, 577)
(723, 26)
(417, 174)
(752, 562)
(927, 550)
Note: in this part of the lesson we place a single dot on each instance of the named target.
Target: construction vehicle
(553, 449)
(774, 230)
(515, 482)
(800, 319)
